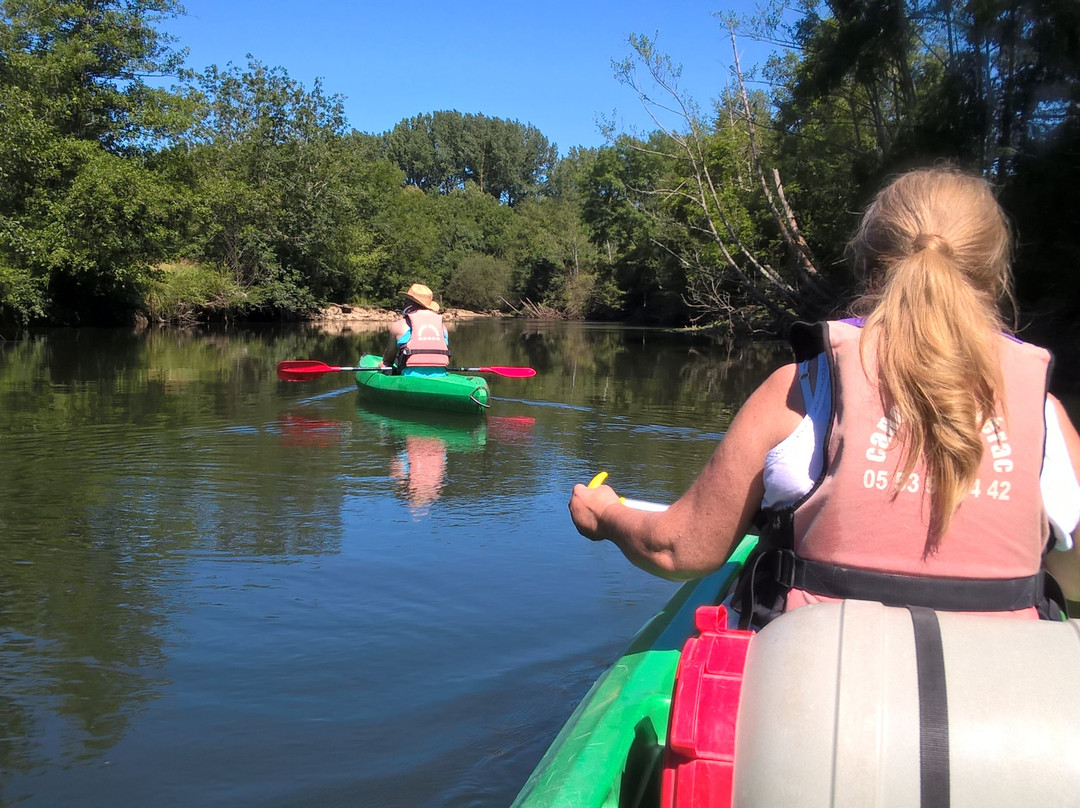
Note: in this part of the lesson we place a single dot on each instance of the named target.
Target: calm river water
(219, 589)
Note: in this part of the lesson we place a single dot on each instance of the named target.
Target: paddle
(637, 504)
(302, 370)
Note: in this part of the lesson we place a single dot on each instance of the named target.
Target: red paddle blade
(302, 370)
(510, 373)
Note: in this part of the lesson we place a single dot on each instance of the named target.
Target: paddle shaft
(300, 370)
(636, 504)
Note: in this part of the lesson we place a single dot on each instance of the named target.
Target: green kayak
(442, 391)
(610, 750)
(850, 702)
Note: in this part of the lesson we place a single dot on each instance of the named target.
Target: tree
(480, 283)
(445, 150)
(715, 184)
(277, 184)
(994, 87)
(82, 215)
(84, 64)
(411, 145)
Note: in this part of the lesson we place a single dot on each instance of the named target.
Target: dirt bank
(345, 319)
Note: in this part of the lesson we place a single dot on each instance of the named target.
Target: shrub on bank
(22, 296)
(186, 292)
(480, 283)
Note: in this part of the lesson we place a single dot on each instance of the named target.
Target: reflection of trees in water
(123, 457)
(730, 371)
(16, 722)
(81, 621)
(626, 370)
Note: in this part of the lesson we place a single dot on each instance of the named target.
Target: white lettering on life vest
(882, 437)
(1000, 450)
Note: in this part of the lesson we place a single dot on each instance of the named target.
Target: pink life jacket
(427, 345)
(855, 535)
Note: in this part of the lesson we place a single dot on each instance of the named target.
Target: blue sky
(542, 63)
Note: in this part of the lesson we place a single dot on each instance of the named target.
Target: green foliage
(90, 238)
(588, 295)
(186, 292)
(446, 150)
(113, 220)
(424, 237)
(991, 87)
(265, 204)
(407, 234)
(22, 296)
(83, 217)
(82, 63)
(277, 186)
(480, 283)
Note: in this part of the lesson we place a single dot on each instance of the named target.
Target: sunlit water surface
(219, 589)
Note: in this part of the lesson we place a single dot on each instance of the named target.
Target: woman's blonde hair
(935, 247)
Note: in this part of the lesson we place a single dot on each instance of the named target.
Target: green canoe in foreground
(849, 702)
(610, 750)
(444, 392)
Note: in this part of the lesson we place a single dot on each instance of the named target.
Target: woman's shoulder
(775, 408)
(780, 379)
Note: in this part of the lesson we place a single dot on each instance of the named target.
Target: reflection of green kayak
(459, 433)
(445, 392)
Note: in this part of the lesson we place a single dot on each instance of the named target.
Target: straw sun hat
(421, 296)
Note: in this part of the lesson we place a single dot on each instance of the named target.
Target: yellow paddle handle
(637, 504)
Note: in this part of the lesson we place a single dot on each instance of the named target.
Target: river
(220, 589)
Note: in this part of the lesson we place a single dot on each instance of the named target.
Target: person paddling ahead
(911, 455)
(418, 339)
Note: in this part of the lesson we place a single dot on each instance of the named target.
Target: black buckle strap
(404, 354)
(942, 594)
(784, 562)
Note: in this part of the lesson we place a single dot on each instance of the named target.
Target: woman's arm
(1064, 565)
(696, 534)
(397, 331)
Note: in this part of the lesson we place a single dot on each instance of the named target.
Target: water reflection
(207, 570)
(420, 467)
(300, 429)
(419, 443)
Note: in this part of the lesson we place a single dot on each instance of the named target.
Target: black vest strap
(415, 351)
(933, 710)
(943, 594)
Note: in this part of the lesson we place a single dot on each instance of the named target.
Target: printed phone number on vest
(880, 479)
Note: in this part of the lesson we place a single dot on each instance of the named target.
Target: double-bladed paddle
(302, 370)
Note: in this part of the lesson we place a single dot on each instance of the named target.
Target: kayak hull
(441, 392)
(609, 751)
(847, 703)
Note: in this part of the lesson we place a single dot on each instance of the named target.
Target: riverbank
(339, 318)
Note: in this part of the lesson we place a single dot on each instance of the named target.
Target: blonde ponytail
(935, 245)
